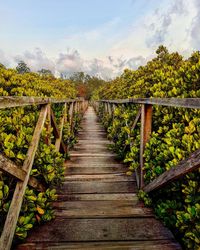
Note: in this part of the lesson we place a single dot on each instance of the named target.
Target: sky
(99, 37)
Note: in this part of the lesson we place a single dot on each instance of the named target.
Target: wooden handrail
(184, 167)
(58, 134)
(171, 102)
(11, 168)
(19, 101)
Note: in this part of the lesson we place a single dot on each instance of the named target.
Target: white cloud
(69, 62)
(36, 60)
(107, 50)
(195, 28)
(4, 59)
(170, 25)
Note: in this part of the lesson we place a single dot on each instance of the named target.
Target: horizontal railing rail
(22, 173)
(170, 102)
(144, 115)
(184, 167)
(19, 101)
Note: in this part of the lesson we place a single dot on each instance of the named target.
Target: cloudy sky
(100, 37)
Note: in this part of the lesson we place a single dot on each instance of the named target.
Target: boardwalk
(98, 207)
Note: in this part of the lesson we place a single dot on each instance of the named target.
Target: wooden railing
(144, 114)
(22, 173)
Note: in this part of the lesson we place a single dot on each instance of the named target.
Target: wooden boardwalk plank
(103, 177)
(92, 169)
(109, 229)
(103, 209)
(99, 187)
(99, 197)
(115, 245)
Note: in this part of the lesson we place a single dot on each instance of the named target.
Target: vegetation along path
(98, 206)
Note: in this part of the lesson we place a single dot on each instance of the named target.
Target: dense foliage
(176, 133)
(32, 84)
(16, 130)
(86, 84)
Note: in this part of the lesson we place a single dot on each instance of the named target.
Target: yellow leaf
(40, 210)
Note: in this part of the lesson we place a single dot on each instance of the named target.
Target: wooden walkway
(98, 206)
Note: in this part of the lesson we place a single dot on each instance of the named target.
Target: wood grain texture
(102, 229)
(19, 101)
(57, 134)
(99, 197)
(188, 165)
(11, 168)
(101, 209)
(59, 139)
(145, 132)
(171, 102)
(114, 245)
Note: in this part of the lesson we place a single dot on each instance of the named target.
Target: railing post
(145, 132)
(62, 121)
(81, 107)
(48, 125)
(96, 106)
(105, 107)
(109, 109)
(71, 111)
(113, 107)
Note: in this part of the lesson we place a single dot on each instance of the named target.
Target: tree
(45, 72)
(85, 84)
(78, 78)
(22, 68)
(2, 66)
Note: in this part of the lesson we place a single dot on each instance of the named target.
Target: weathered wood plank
(57, 132)
(107, 154)
(92, 142)
(95, 137)
(11, 168)
(171, 102)
(100, 209)
(15, 206)
(188, 165)
(70, 113)
(98, 187)
(99, 177)
(100, 197)
(109, 229)
(114, 245)
(89, 163)
(136, 119)
(89, 149)
(131, 144)
(59, 139)
(18, 101)
(89, 160)
(48, 125)
(75, 169)
(54, 125)
(145, 132)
